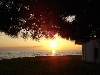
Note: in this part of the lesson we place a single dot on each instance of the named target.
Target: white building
(91, 51)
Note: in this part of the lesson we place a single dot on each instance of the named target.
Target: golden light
(53, 52)
(53, 44)
(58, 43)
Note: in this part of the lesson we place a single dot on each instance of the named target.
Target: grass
(48, 65)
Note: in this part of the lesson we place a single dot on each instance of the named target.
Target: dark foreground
(49, 65)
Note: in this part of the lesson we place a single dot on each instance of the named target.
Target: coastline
(48, 65)
(9, 54)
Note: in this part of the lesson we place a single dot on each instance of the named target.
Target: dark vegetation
(45, 18)
(48, 65)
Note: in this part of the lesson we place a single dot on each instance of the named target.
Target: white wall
(99, 52)
(88, 51)
(97, 45)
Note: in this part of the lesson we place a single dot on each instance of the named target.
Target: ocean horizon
(9, 54)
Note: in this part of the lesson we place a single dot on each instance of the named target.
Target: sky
(9, 43)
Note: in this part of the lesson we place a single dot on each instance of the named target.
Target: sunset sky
(8, 43)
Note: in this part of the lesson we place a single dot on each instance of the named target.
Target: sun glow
(53, 44)
(59, 43)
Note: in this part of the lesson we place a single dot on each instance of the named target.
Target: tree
(27, 18)
(71, 19)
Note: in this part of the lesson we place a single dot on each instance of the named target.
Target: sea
(9, 54)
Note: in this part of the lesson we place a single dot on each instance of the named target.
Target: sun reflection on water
(53, 52)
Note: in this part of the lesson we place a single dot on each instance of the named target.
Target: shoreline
(20, 54)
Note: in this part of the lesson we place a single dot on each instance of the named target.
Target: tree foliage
(71, 19)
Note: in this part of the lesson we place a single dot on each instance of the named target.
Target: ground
(48, 65)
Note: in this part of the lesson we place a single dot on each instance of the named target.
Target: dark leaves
(47, 17)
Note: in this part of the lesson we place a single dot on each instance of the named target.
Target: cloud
(22, 48)
(36, 46)
(27, 46)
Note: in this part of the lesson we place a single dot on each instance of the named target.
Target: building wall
(99, 52)
(95, 51)
(97, 46)
(91, 51)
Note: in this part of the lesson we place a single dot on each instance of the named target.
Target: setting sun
(53, 44)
